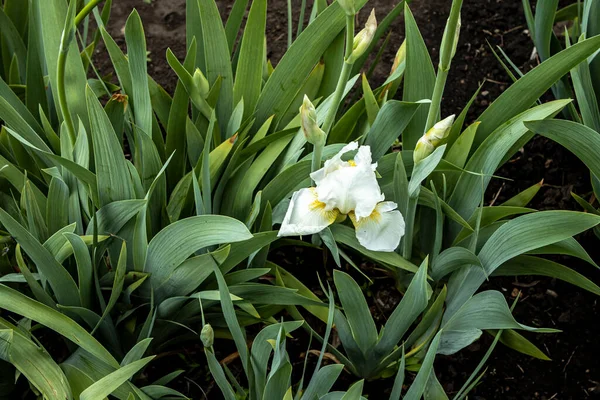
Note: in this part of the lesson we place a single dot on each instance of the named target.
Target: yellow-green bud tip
(440, 130)
(207, 335)
(433, 138)
(308, 121)
(423, 149)
(400, 57)
(201, 83)
(363, 39)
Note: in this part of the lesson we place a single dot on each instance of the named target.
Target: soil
(574, 372)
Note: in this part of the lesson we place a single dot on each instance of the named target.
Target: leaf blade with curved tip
(512, 239)
(60, 280)
(112, 173)
(111, 382)
(33, 362)
(20, 304)
(175, 243)
(523, 93)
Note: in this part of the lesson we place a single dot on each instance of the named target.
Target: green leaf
(371, 105)
(248, 75)
(112, 381)
(254, 174)
(298, 62)
(423, 169)
(515, 341)
(118, 282)
(323, 381)
(487, 158)
(18, 303)
(528, 265)
(60, 280)
(216, 54)
(172, 245)
(218, 375)
(586, 97)
(413, 303)
(486, 310)
(346, 235)
(136, 352)
(512, 239)
(419, 79)
(523, 198)
(136, 54)
(52, 15)
(231, 319)
(582, 141)
(234, 22)
(452, 259)
(523, 93)
(356, 310)
(284, 183)
(112, 173)
(84, 268)
(33, 362)
(417, 388)
(391, 121)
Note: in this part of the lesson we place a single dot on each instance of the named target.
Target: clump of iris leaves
(138, 224)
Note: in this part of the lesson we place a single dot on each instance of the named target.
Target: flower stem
(85, 11)
(343, 79)
(337, 96)
(407, 241)
(447, 50)
(317, 156)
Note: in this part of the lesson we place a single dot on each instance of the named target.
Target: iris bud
(433, 138)
(400, 57)
(207, 335)
(363, 39)
(310, 126)
(201, 84)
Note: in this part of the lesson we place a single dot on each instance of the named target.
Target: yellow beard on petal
(352, 163)
(318, 206)
(374, 217)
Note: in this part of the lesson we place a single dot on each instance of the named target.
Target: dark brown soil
(574, 372)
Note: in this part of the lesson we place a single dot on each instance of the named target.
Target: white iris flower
(346, 188)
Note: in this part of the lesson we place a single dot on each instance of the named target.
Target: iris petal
(382, 230)
(349, 186)
(306, 215)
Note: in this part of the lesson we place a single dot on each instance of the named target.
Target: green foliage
(145, 223)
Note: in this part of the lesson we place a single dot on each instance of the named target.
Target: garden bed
(574, 372)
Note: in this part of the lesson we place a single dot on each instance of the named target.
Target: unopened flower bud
(445, 58)
(310, 127)
(400, 57)
(433, 138)
(363, 39)
(348, 7)
(207, 335)
(201, 83)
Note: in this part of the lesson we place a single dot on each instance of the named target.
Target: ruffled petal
(334, 163)
(306, 215)
(382, 230)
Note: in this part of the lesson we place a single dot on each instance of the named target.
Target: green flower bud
(348, 7)
(433, 138)
(201, 84)
(423, 149)
(400, 57)
(310, 127)
(363, 39)
(207, 336)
